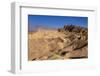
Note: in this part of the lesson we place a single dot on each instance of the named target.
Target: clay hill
(69, 42)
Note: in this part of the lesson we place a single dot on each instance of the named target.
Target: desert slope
(69, 42)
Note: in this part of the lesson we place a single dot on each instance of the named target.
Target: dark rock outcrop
(78, 37)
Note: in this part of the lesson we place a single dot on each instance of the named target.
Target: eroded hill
(69, 42)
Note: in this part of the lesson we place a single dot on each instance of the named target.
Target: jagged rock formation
(69, 42)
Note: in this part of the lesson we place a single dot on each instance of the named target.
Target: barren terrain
(69, 42)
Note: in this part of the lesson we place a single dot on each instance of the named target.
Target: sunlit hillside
(69, 42)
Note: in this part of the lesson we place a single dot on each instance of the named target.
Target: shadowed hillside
(69, 42)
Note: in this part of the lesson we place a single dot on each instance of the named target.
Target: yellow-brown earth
(69, 42)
